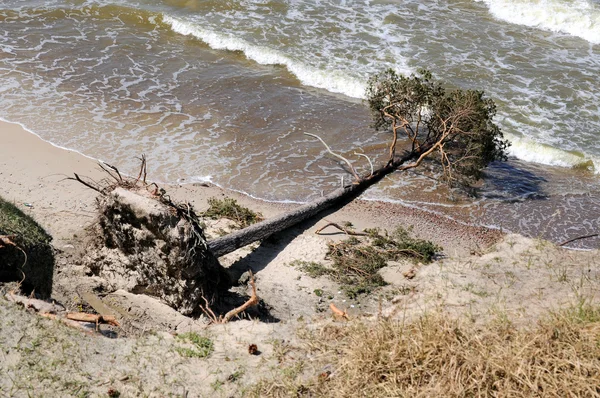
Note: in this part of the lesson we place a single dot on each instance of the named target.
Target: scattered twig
(343, 229)
(337, 313)
(578, 238)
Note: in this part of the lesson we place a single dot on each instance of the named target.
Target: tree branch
(352, 170)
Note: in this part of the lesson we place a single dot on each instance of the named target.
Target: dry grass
(438, 356)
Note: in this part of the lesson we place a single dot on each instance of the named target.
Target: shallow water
(223, 90)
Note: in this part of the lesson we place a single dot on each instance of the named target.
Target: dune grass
(437, 356)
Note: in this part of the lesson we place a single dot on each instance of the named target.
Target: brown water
(223, 91)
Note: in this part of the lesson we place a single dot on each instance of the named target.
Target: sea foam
(531, 151)
(334, 81)
(579, 18)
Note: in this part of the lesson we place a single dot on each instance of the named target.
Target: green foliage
(356, 262)
(311, 268)
(229, 208)
(201, 347)
(400, 244)
(460, 121)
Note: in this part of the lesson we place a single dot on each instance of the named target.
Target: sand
(480, 274)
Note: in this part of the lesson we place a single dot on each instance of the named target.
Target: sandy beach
(480, 274)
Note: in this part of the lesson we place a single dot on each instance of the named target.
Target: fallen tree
(146, 243)
(452, 128)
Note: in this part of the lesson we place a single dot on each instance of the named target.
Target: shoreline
(34, 172)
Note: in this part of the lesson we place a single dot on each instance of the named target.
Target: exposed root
(7, 240)
(252, 301)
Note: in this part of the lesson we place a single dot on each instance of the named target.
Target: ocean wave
(579, 18)
(334, 81)
(531, 151)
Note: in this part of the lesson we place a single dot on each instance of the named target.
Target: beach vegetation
(355, 263)
(197, 346)
(26, 253)
(229, 208)
(439, 355)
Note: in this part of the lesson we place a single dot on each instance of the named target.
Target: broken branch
(94, 318)
(352, 170)
(343, 229)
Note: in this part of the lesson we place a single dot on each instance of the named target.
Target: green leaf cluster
(424, 111)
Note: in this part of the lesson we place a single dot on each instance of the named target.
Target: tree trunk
(235, 240)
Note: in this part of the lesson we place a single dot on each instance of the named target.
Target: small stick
(345, 230)
(337, 313)
(578, 238)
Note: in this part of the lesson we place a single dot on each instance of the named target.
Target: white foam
(579, 18)
(335, 81)
(531, 151)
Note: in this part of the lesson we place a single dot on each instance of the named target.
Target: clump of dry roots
(144, 242)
